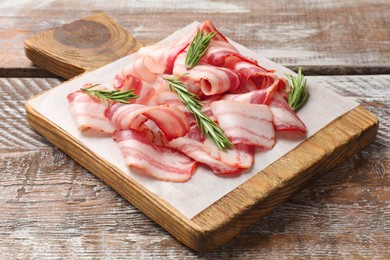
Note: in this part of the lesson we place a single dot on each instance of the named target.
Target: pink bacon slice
(209, 79)
(152, 160)
(143, 90)
(204, 151)
(172, 122)
(163, 55)
(89, 113)
(208, 27)
(139, 69)
(224, 54)
(245, 123)
(254, 77)
(284, 118)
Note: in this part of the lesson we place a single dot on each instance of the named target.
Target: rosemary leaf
(198, 48)
(205, 124)
(298, 94)
(107, 95)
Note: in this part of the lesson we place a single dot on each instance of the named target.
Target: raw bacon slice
(285, 119)
(172, 122)
(163, 55)
(89, 113)
(143, 90)
(141, 69)
(209, 79)
(254, 77)
(169, 98)
(253, 97)
(221, 163)
(224, 54)
(208, 27)
(156, 161)
(249, 124)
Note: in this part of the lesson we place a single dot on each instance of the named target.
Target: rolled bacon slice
(89, 113)
(254, 77)
(152, 160)
(245, 123)
(172, 121)
(210, 80)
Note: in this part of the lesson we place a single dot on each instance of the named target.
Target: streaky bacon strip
(172, 122)
(224, 54)
(156, 161)
(254, 77)
(89, 113)
(284, 118)
(245, 123)
(208, 27)
(163, 55)
(210, 80)
(253, 97)
(141, 69)
(205, 152)
(143, 90)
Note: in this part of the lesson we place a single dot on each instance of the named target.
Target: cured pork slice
(224, 54)
(89, 113)
(171, 121)
(207, 79)
(204, 151)
(144, 68)
(245, 123)
(163, 55)
(253, 97)
(284, 118)
(253, 77)
(208, 27)
(152, 160)
(143, 90)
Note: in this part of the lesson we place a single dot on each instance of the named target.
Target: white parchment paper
(204, 188)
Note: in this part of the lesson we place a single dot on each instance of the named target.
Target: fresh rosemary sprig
(298, 94)
(107, 95)
(205, 124)
(198, 48)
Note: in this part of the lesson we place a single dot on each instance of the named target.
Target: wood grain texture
(86, 44)
(52, 207)
(324, 36)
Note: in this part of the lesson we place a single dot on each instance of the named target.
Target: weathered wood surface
(53, 207)
(85, 44)
(328, 37)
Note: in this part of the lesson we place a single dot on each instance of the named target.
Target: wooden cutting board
(96, 40)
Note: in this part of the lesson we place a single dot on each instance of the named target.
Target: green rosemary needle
(198, 48)
(298, 94)
(205, 124)
(107, 95)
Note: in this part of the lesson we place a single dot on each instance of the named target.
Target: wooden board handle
(82, 45)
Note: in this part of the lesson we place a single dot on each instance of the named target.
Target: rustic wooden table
(53, 208)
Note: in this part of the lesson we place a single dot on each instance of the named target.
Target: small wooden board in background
(89, 43)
